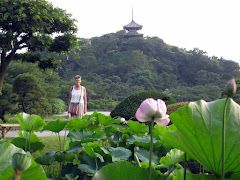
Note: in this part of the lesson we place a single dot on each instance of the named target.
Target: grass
(51, 144)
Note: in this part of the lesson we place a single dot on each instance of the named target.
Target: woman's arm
(85, 100)
(70, 96)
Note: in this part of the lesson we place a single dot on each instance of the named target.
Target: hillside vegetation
(113, 68)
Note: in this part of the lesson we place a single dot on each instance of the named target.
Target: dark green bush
(128, 107)
(173, 107)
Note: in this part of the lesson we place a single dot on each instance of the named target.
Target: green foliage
(37, 26)
(124, 170)
(35, 85)
(7, 150)
(128, 107)
(207, 92)
(199, 134)
(173, 107)
(31, 97)
(7, 100)
(25, 139)
(55, 126)
(58, 106)
(30, 122)
(138, 64)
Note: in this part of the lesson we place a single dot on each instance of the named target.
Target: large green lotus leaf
(117, 153)
(199, 133)
(173, 157)
(90, 165)
(30, 122)
(21, 143)
(190, 176)
(83, 136)
(55, 126)
(77, 124)
(44, 160)
(125, 171)
(90, 151)
(159, 131)
(143, 141)
(7, 150)
(107, 120)
(138, 128)
(33, 137)
(143, 155)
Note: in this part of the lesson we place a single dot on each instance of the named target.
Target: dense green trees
(31, 26)
(113, 67)
(30, 89)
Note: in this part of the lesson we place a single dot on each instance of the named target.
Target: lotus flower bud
(112, 137)
(20, 162)
(123, 119)
(137, 148)
(93, 122)
(230, 88)
(99, 125)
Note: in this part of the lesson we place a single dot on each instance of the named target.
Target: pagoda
(132, 29)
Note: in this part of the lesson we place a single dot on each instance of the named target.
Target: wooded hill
(113, 67)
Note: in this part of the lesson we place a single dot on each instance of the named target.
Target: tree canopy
(31, 26)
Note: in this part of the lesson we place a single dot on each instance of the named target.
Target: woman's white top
(77, 95)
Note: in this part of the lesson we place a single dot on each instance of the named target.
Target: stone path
(13, 133)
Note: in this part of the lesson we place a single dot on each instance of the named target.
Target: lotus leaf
(199, 134)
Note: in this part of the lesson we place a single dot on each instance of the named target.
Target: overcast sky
(210, 25)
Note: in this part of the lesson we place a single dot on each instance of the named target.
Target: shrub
(128, 107)
(58, 106)
(102, 104)
(173, 107)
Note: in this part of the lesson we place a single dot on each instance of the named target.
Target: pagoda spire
(132, 12)
(132, 29)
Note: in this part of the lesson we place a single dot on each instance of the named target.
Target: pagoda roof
(132, 25)
(133, 34)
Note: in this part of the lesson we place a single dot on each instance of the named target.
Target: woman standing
(77, 102)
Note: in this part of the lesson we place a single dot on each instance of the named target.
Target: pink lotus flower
(151, 109)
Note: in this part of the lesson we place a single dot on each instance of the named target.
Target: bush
(128, 107)
(173, 107)
(102, 104)
(58, 106)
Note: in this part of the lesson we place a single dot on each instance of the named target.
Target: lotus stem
(223, 137)
(151, 150)
(137, 160)
(59, 141)
(185, 165)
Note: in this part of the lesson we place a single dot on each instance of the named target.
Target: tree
(31, 97)
(32, 26)
(7, 101)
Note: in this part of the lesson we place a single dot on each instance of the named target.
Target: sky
(210, 25)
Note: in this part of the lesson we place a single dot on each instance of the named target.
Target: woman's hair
(78, 77)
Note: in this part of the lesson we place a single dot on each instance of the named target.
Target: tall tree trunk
(2, 116)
